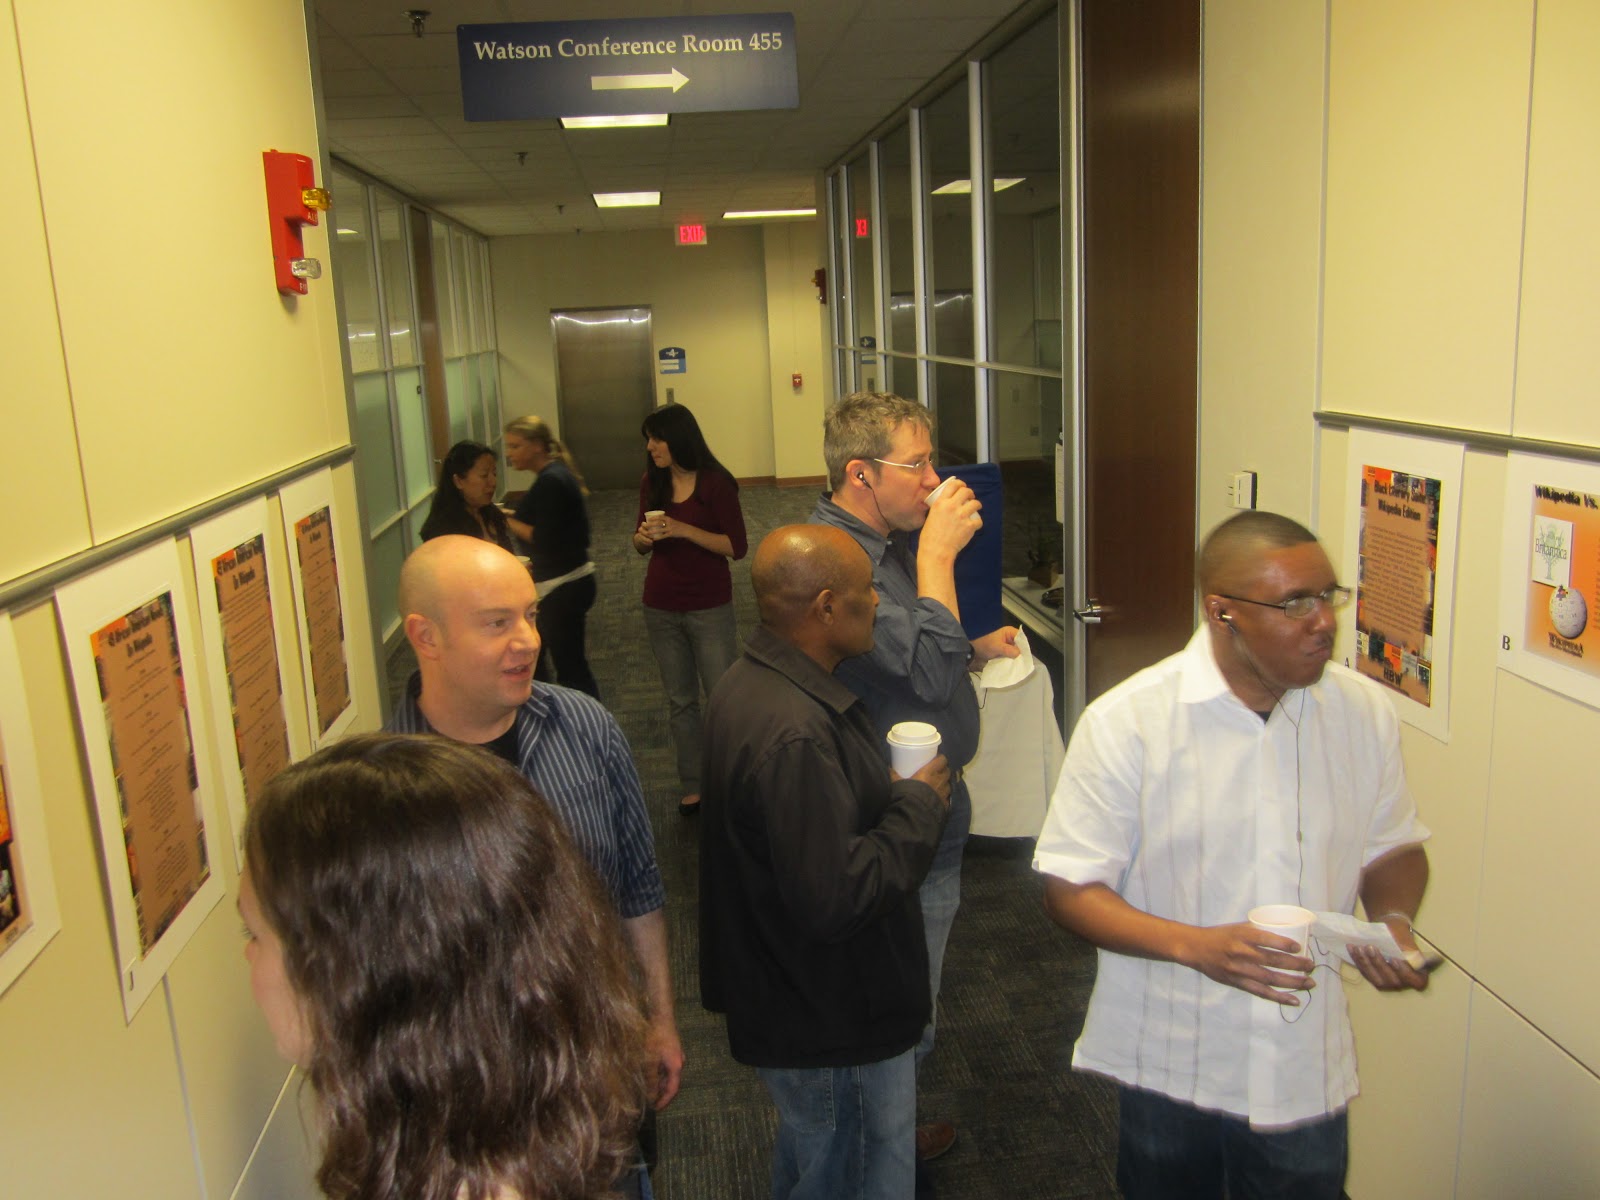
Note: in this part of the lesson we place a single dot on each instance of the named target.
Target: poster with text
(1551, 575)
(310, 528)
(132, 650)
(1400, 550)
(238, 577)
(29, 915)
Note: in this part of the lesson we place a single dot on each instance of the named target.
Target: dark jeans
(1172, 1151)
(563, 614)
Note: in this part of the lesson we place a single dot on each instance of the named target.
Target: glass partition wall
(398, 443)
(947, 283)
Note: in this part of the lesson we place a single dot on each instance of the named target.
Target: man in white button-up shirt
(1244, 770)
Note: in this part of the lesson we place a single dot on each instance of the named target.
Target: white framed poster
(241, 586)
(29, 914)
(322, 602)
(1400, 562)
(132, 650)
(1550, 575)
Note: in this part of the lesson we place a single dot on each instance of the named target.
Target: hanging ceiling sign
(531, 69)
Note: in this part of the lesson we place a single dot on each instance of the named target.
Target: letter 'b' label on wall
(515, 72)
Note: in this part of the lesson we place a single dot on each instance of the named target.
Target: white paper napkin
(1008, 672)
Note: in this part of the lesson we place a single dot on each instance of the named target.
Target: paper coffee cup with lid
(912, 746)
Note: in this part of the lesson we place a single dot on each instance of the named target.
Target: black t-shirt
(554, 507)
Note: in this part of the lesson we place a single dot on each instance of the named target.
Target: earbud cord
(1299, 833)
(862, 477)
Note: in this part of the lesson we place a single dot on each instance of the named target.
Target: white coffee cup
(912, 746)
(1289, 920)
(938, 491)
(656, 519)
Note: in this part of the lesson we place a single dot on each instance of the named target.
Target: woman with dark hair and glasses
(463, 502)
(690, 524)
(428, 946)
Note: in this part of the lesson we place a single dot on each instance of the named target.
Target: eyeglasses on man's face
(1300, 607)
(917, 467)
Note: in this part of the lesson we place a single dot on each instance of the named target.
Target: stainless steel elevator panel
(605, 386)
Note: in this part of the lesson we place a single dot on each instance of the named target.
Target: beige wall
(795, 323)
(1398, 222)
(151, 366)
(711, 300)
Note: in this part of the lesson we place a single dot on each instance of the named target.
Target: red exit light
(861, 228)
(691, 235)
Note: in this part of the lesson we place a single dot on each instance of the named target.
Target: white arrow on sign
(674, 79)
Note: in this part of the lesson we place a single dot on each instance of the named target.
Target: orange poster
(13, 910)
(319, 590)
(1396, 580)
(140, 677)
(250, 659)
(1564, 578)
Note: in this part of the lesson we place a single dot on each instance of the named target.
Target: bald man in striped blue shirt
(469, 610)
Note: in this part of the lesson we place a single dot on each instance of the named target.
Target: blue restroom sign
(532, 69)
(673, 360)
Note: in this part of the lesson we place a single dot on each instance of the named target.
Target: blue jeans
(692, 650)
(941, 896)
(844, 1133)
(1167, 1150)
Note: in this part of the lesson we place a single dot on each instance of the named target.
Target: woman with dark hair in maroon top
(688, 589)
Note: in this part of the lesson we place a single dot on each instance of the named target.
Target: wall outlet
(1242, 489)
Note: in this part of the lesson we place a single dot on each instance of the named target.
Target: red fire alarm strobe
(293, 201)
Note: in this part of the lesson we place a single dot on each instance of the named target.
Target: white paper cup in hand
(655, 517)
(912, 746)
(1289, 920)
(938, 491)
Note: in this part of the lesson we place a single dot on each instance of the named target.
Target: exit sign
(691, 235)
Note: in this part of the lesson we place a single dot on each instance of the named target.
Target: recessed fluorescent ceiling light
(613, 122)
(627, 199)
(963, 187)
(762, 213)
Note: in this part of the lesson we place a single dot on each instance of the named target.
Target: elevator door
(605, 388)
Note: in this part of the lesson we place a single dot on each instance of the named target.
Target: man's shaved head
(794, 565)
(1232, 552)
(424, 575)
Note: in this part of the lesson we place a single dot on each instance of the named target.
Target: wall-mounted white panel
(1412, 1053)
(1529, 1114)
(189, 373)
(92, 1101)
(40, 476)
(1261, 215)
(1539, 840)
(1558, 351)
(1427, 136)
(1448, 780)
(284, 1164)
(230, 1066)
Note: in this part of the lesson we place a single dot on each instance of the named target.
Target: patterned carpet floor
(1015, 987)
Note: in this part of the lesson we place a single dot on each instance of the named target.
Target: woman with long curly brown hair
(427, 944)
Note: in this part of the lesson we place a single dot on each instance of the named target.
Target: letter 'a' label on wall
(533, 69)
(673, 360)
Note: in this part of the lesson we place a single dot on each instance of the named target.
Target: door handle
(1090, 614)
